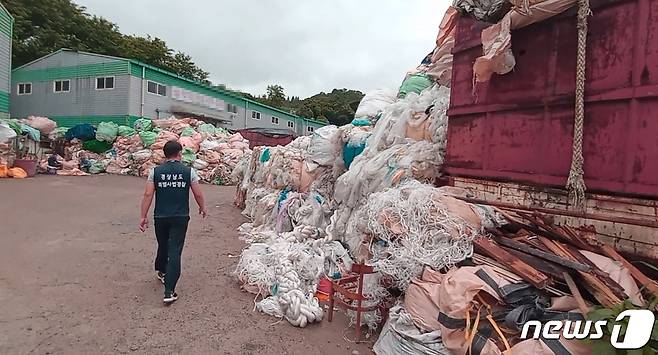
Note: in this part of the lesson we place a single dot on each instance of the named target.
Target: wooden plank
(546, 256)
(640, 277)
(613, 285)
(579, 242)
(525, 271)
(596, 287)
(552, 270)
(542, 232)
(582, 305)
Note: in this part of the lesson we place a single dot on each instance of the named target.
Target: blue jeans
(170, 233)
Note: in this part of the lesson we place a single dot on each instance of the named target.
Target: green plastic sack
(143, 124)
(361, 122)
(34, 133)
(187, 132)
(189, 156)
(107, 132)
(148, 138)
(415, 83)
(265, 156)
(96, 167)
(125, 131)
(207, 128)
(96, 146)
(15, 125)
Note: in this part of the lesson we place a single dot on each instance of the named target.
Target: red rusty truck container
(259, 137)
(513, 135)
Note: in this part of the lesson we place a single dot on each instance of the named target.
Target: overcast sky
(307, 46)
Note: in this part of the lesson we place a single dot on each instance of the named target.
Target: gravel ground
(76, 277)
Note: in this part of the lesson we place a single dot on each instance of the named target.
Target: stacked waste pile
(361, 190)
(18, 139)
(7, 134)
(525, 269)
(341, 187)
(355, 194)
(33, 127)
(287, 192)
(114, 149)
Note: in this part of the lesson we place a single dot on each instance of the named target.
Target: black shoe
(160, 276)
(170, 298)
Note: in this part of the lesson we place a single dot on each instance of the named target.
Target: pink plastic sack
(422, 300)
(235, 138)
(210, 156)
(241, 145)
(233, 153)
(162, 139)
(497, 39)
(43, 124)
(165, 122)
(441, 67)
(189, 142)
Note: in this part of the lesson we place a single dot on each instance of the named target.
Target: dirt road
(77, 278)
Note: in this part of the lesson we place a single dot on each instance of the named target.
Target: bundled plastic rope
(287, 267)
(417, 228)
(301, 200)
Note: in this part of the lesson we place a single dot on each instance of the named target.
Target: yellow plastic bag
(17, 173)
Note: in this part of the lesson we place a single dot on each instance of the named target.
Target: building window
(275, 120)
(255, 115)
(24, 89)
(62, 86)
(105, 83)
(156, 89)
(232, 108)
(309, 129)
(291, 124)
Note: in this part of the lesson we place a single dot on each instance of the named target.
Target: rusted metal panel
(259, 139)
(626, 237)
(519, 126)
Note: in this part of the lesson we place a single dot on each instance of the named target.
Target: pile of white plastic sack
(7, 134)
(213, 152)
(363, 193)
(358, 192)
(33, 127)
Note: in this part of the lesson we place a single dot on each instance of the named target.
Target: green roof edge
(216, 89)
(166, 72)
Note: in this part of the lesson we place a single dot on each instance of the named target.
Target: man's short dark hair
(172, 148)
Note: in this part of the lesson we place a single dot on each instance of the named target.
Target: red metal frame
(519, 126)
(349, 290)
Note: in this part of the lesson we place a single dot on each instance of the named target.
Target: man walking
(171, 183)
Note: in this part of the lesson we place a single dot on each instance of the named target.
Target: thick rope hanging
(576, 182)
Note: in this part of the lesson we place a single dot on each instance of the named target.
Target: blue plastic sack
(34, 133)
(350, 152)
(283, 196)
(361, 122)
(84, 132)
(265, 156)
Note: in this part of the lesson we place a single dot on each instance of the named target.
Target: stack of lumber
(550, 257)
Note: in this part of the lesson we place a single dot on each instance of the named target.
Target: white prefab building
(74, 87)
